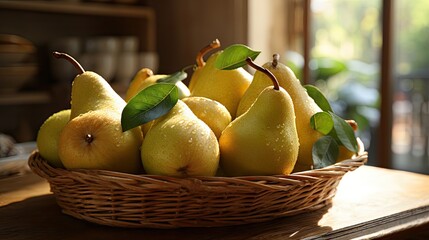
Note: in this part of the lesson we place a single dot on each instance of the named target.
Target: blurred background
(369, 57)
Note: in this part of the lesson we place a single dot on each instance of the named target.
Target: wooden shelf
(79, 8)
(39, 97)
(135, 13)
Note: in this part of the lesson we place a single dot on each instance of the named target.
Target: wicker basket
(126, 200)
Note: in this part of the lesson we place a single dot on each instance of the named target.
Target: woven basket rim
(336, 170)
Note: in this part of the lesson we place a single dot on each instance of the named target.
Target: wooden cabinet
(42, 22)
(180, 30)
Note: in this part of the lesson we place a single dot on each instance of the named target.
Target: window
(344, 60)
(411, 86)
(370, 59)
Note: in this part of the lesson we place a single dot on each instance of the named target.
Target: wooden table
(371, 202)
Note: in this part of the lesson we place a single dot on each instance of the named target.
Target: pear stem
(69, 58)
(265, 71)
(276, 58)
(353, 124)
(187, 67)
(213, 45)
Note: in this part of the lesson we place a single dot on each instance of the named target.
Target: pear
(304, 107)
(93, 137)
(179, 144)
(49, 134)
(145, 78)
(343, 152)
(94, 140)
(137, 82)
(263, 140)
(213, 113)
(94, 92)
(224, 86)
(90, 91)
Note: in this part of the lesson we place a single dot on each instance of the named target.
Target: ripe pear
(137, 82)
(224, 86)
(145, 78)
(213, 113)
(93, 137)
(179, 144)
(304, 107)
(94, 140)
(343, 152)
(48, 137)
(91, 91)
(263, 140)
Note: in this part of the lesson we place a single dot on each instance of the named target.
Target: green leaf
(325, 152)
(322, 122)
(149, 104)
(173, 78)
(235, 56)
(318, 97)
(344, 132)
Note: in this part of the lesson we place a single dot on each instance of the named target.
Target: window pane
(411, 106)
(345, 59)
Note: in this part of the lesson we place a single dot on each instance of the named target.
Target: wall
(267, 28)
(184, 27)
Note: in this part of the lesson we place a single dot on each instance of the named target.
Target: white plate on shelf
(18, 163)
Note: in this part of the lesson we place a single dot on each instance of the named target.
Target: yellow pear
(94, 93)
(343, 152)
(213, 113)
(49, 134)
(93, 137)
(94, 140)
(179, 144)
(224, 86)
(263, 140)
(304, 107)
(137, 82)
(91, 91)
(145, 78)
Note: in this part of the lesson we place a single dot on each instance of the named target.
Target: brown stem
(213, 45)
(265, 71)
(353, 124)
(188, 67)
(70, 59)
(276, 58)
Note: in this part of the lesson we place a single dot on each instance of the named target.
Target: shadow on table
(41, 218)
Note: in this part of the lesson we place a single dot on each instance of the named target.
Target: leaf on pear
(173, 78)
(235, 56)
(344, 132)
(318, 97)
(149, 104)
(322, 122)
(324, 152)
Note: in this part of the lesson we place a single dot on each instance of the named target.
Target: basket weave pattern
(127, 200)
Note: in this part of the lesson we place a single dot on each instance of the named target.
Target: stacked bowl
(17, 63)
